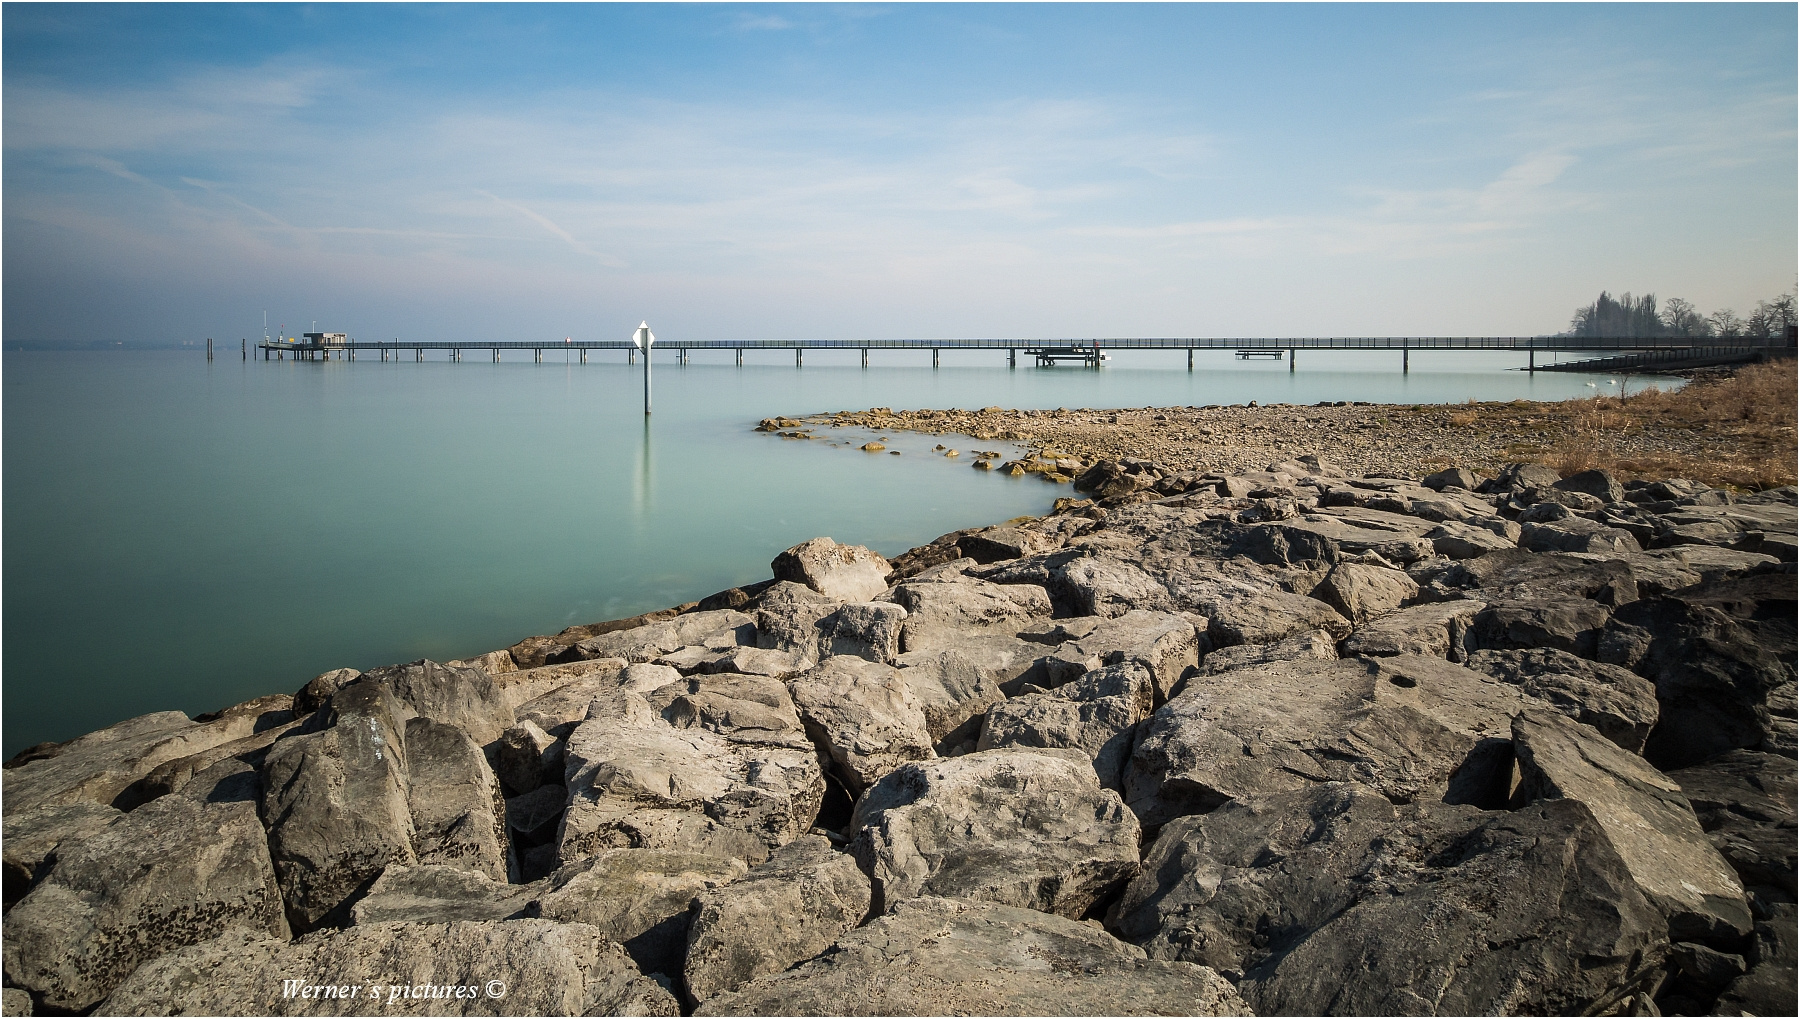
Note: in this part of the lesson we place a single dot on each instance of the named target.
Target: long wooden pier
(1091, 351)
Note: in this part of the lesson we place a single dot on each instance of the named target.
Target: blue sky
(517, 171)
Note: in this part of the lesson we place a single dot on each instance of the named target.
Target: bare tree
(1681, 318)
(1725, 323)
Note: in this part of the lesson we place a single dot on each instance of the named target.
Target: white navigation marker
(644, 338)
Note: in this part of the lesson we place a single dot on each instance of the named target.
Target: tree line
(1626, 315)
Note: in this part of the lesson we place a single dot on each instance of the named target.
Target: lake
(187, 535)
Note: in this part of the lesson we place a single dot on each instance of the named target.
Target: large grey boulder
(1096, 714)
(1576, 534)
(1333, 900)
(466, 698)
(842, 572)
(1643, 816)
(1165, 644)
(638, 780)
(944, 957)
(523, 685)
(714, 628)
(1566, 624)
(1020, 827)
(458, 814)
(638, 898)
(863, 716)
(789, 618)
(1316, 645)
(32, 838)
(335, 804)
(1744, 801)
(787, 909)
(1408, 726)
(941, 615)
(868, 630)
(1105, 586)
(1617, 702)
(953, 690)
(319, 690)
(435, 893)
(104, 766)
(1460, 540)
(1435, 629)
(171, 873)
(1599, 484)
(174, 776)
(1361, 591)
(519, 967)
(558, 711)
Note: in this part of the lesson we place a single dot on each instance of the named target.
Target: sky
(517, 172)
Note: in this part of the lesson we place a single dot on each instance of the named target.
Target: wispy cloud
(568, 238)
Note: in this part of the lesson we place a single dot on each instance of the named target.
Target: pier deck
(1648, 352)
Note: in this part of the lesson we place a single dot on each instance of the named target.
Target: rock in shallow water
(944, 957)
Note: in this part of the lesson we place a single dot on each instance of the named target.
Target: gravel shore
(1657, 432)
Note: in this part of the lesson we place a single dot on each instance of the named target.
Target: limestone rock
(788, 618)
(558, 711)
(1744, 801)
(1096, 714)
(941, 615)
(1333, 900)
(464, 697)
(1361, 592)
(1316, 645)
(32, 838)
(1617, 702)
(104, 766)
(787, 909)
(945, 957)
(716, 628)
(335, 804)
(638, 898)
(1021, 827)
(862, 714)
(535, 967)
(635, 780)
(1104, 586)
(319, 690)
(1163, 643)
(459, 817)
(17, 1002)
(840, 572)
(1566, 624)
(171, 873)
(1466, 541)
(1408, 726)
(1643, 816)
(1454, 477)
(1434, 629)
(953, 691)
(1577, 534)
(525, 685)
(527, 757)
(433, 893)
(868, 630)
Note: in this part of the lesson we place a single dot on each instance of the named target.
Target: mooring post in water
(740, 357)
(244, 346)
(643, 338)
(1012, 357)
(934, 357)
(1290, 360)
(209, 348)
(1405, 357)
(865, 353)
(1190, 359)
(1531, 359)
(798, 362)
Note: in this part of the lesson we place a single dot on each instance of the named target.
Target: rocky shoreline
(1282, 738)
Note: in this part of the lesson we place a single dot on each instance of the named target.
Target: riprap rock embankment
(1285, 742)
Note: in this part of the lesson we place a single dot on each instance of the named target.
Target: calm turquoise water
(185, 535)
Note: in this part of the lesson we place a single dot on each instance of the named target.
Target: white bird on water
(1590, 385)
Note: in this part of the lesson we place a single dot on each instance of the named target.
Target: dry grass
(1737, 431)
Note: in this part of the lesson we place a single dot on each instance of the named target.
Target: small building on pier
(326, 339)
